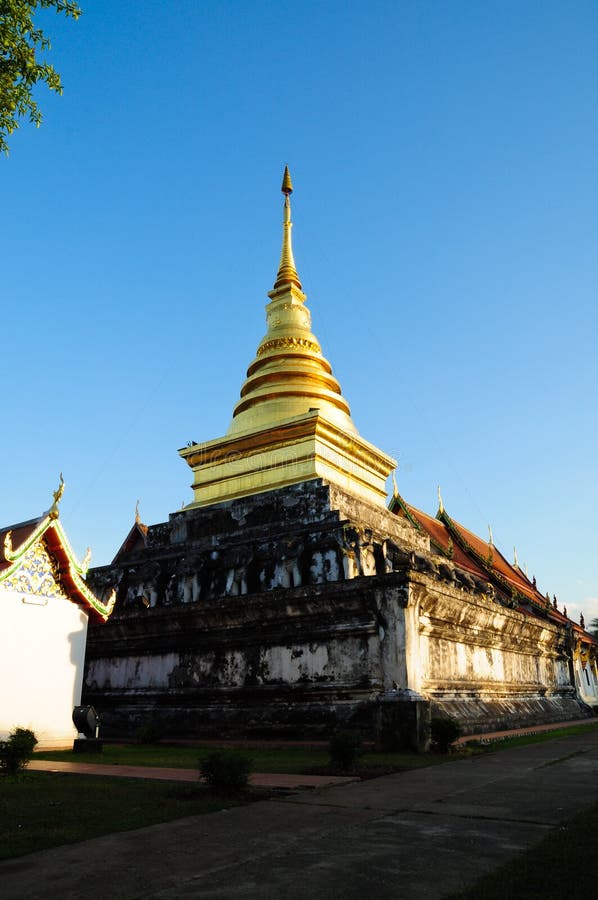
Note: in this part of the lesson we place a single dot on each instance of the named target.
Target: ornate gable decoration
(37, 574)
(41, 562)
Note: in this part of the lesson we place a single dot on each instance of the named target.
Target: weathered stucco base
(477, 715)
(295, 611)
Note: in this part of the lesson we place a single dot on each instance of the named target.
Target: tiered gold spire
(289, 375)
(292, 423)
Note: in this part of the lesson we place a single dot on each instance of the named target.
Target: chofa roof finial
(54, 513)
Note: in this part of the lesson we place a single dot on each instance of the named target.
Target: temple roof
(135, 540)
(482, 559)
(18, 544)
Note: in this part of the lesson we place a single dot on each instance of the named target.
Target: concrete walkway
(416, 835)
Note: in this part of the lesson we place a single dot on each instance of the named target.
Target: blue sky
(445, 230)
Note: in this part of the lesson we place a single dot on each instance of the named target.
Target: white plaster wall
(132, 672)
(42, 651)
(453, 660)
(451, 644)
(587, 692)
(289, 665)
(332, 661)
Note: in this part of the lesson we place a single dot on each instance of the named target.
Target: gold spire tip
(287, 184)
(440, 503)
(287, 271)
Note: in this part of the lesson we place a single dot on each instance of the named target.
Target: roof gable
(36, 558)
(135, 540)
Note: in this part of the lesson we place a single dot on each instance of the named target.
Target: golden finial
(515, 559)
(53, 513)
(287, 272)
(137, 516)
(86, 561)
(287, 184)
(8, 551)
(440, 503)
(395, 490)
(490, 538)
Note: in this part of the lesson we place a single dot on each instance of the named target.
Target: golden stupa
(291, 423)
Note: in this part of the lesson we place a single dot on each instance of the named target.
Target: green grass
(39, 810)
(288, 760)
(561, 865)
(184, 757)
(540, 737)
(291, 760)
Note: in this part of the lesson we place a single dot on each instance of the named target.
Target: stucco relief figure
(215, 577)
(236, 578)
(260, 571)
(185, 574)
(367, 558)
(331, 566)
(148, 587)
(286, 570)
(316, 568)
(389, 554)
(350, 551)
(393, 557)
(170, 595)
(322, 560)
(129, 586)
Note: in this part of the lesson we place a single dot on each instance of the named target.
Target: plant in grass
(151, 732)
(226, 772)
(16, 750)
(345, 748)
(444, 732)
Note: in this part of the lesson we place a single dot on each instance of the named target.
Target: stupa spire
(287, 271)
(291, 423)
(290, 375)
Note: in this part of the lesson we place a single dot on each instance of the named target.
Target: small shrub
(444, 732)
(226, 772)
(16, 751)
(345, 748)
(150, 733)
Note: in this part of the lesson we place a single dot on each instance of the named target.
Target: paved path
(258, 779)
(414, 836)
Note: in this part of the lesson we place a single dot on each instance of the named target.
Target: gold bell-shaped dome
(289, 375)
